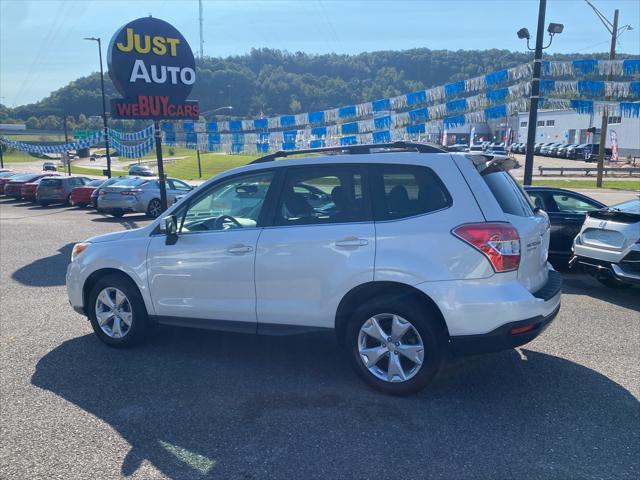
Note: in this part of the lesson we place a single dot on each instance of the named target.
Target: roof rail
(356, 149)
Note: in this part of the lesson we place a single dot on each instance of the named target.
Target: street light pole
(535, 95)
(605, 110)
(104, 105)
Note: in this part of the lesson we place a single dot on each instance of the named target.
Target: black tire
(44, 204)
(81, 205)
(423, 320)
(67, 202)
(117, 213)
(137, 332)
(153, 207)
(613, 282)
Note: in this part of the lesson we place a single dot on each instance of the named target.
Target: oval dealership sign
(152, 66)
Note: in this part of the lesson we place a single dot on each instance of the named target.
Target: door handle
(352, 242)
(240, 249)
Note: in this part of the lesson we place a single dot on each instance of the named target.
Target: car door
(320, 245)
(207, 277)
(567, 211)
(175, 188)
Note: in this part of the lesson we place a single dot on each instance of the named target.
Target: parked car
(538, 147)
(13, 188)
(572, 151)
(545, 150)
(567, 211)
(405, 272)
(5, 177)
(554, 150)
(140, 171)
(81, 195)
(29, 189)
(110, 181)
(475, 149)
(49, 167)
(608, 245)
(496, 150)
(138, 195)
(562, 150)
(58, 189)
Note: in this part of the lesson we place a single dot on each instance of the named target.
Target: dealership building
(569, 126)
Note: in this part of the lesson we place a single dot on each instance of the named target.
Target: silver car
(138, 194)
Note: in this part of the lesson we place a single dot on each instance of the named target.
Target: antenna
(201, 33)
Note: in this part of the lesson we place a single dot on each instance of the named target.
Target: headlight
(78, 248)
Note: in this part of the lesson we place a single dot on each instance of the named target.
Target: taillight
(499, 242)
(133, 191)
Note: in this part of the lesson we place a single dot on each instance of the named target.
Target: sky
(41, 46)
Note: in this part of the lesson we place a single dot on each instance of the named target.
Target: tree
(32, 123)
(51, 122)
(294, 106)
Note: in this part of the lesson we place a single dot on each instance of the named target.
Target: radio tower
(201, 33)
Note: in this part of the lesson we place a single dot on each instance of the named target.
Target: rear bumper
(509, 335)
(625, 272)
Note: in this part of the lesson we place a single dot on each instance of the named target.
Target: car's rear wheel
(395, 346)
(154, 209)
(67, 201)
(117, 311)
(43, 204)
(117, 213)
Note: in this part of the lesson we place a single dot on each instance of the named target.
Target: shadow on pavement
(46, 272)
(200, 404)
(583, 284)
(128, 222)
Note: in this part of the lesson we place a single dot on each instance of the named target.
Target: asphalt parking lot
(194, 404)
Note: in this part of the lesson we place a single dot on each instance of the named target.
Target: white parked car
(409, 254)
(608, 245)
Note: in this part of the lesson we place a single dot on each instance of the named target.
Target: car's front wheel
(396, 346)
(117, 311)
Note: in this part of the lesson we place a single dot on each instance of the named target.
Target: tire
(132, 308)
(613, 282)
(44, 204)
(81, 205)
(421, 320)
(117, 213)
(154, 208)
(67, 202)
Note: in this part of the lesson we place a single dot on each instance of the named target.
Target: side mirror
(170, 229)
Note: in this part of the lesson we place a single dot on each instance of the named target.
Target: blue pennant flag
(416, 97)
(187, 126)
(630, 109)
(631, 66)
(235, 125)
(290, 135)
(262, 147)
(191, 139)
(319, 131)
(453, 121)
(497, 96)
(381, 105)
(499, 111)
(382, 123)
(288, 145)
(495, 78)
(287, 121)
(591, 88)
(381, 137)
(419, 128)
(584, 66)
(547, 86)
(237, 147)
(454, 89)
(352, 140)
(457, 105)
(582, 106)
(634, 88)
(316, 143)
(349, 128)
(212, 126)
(347, 111)
(316, 118)
(260, 123)
(419, 115)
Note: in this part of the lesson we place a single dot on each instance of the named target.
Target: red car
(28, 190)
(81, 196)
(5, 177)
(14, 186)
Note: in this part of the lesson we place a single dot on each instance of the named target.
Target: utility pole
(605, 110)
(66, 140)
(201, 30)
(535, 95)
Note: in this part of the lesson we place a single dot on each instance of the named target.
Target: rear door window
(51, 182)
(401, 191)
(512, 199)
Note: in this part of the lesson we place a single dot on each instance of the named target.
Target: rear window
(130, 182)
(25, 177)
(402, 191)
(95, 183)
(51, 182)
(512, 199)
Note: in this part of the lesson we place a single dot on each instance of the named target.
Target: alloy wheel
(155, 209)
(390, 347)
(113, 312)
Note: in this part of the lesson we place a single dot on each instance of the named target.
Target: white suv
(407, 252)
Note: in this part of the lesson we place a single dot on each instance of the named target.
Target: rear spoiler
(613, 214)
(486, 163)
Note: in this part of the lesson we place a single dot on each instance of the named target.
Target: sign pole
(199, 165)
(161, 177)
(1, 155)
